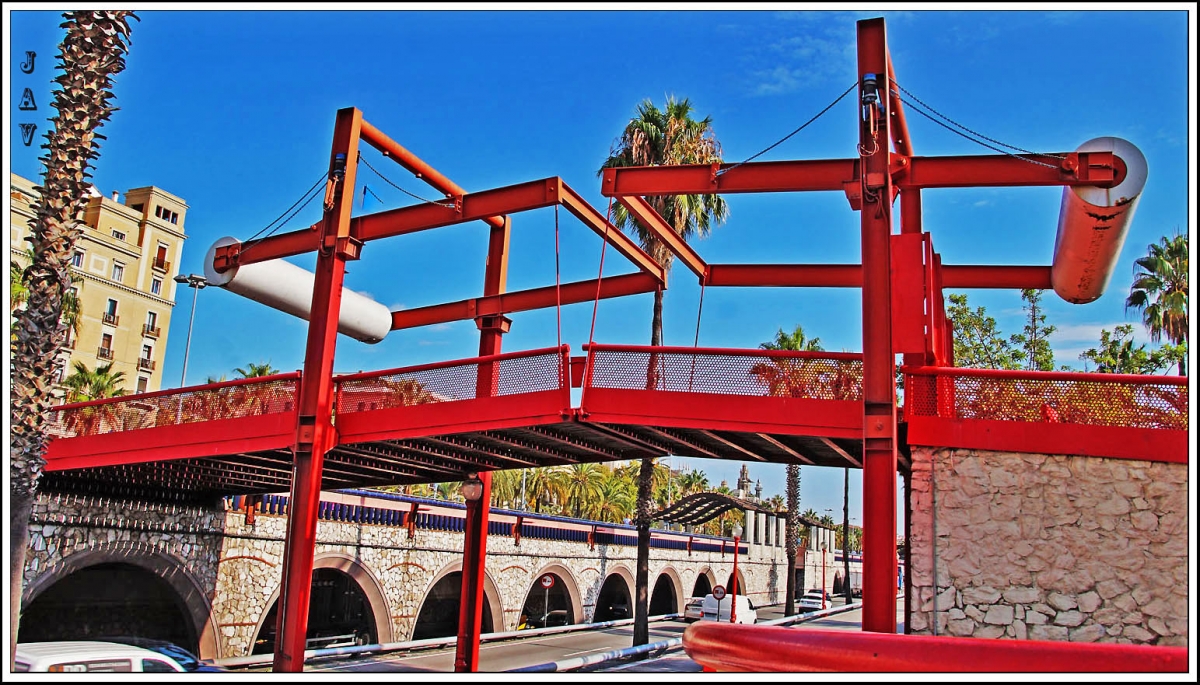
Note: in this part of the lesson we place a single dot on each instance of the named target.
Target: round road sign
(718, 592)
(547, 581)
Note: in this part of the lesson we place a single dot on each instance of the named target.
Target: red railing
(1094, 399)
(224, 400)
(767, 649)
(513, 373)
(761, 373)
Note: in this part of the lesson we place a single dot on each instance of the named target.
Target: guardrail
(430, 643)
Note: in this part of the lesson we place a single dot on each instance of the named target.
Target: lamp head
(472, 488)
(737, 531)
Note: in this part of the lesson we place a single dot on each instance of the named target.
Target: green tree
(91, 53)
(1160, 291)
(792, 528)
(1033, 343)
(253, 370)
(978, 343)
(663, 137)
(1118, 354)
(84, 384)
(579, 484)
(72, 316)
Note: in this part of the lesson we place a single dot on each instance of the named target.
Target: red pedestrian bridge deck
(440, 422)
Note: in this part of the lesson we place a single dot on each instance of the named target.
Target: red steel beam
(621, 242)
(524, 300)
(850, 275)
(750, 177)
(1103, 169)
(390, 148)
(470, 614)
(879, 374)
(314, 432)
(899, 127)
(648, 217)
(768, 649)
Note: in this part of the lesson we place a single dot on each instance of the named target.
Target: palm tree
(579, 485)
(253, 370)
(1160, 291)
(661, 137)
(84, 384)
(615, 500)
(72, 315)
(91, 53)
(778, 381)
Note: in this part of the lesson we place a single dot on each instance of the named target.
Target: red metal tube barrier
(176, 391)
(564, 350)
(767, 649)
(728, 351)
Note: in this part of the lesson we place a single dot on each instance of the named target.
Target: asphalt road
(516, 653)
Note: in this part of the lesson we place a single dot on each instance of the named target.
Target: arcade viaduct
(209, 577)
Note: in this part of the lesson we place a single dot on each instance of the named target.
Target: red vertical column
(314, 432)
(879, 384)
(491, 328)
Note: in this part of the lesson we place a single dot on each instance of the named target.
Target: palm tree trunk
(641, 610)
(91, 53)
(846, 537)
(792, 529)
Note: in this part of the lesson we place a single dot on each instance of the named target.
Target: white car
(813, 601)
(694, 609)
(91, 657)
(712, 610)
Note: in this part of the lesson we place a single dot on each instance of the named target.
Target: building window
(160, 258)
(147, 351)
(138, 207)
(152, 319)
(156, 286)
(166, 214)
(119, 235)
(110, 313)
(118, 271)
(105, 351)
(77, 260)
(143, 383)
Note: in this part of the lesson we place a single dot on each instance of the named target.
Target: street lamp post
(824, 565)
(737, 539)
(197, 283)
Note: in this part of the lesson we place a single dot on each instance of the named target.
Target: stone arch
(571, 586)
(371, 588)
(603, 613)
(171, 569)
(709, 580)
(671, 576)
(491, 592)
(742, 588)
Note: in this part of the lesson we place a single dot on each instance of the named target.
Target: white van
(712, 610)
(91, 657)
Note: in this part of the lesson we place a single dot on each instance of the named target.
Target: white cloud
(982, 203)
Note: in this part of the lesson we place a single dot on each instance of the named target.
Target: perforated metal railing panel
(1052, 398)
(511, 375)
(756, 373)
(272, 395)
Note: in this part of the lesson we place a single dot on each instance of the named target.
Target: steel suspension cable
(557, 278)
(600, 276)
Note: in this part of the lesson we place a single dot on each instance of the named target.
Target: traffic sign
(718, 592)
(547, 581)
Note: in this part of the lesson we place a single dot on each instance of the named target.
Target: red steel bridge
(311, 431)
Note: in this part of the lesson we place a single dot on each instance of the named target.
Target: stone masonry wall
(227, 572)
(1049, 547)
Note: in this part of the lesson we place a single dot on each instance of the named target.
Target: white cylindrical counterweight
(1092, 225)
(288, 288)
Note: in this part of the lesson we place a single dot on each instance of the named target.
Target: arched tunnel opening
(614, 601)
(702, 587)
(438, 616)
(546, 608)
(662, 599)
(339, 614)
(741, 584)
(109, 600)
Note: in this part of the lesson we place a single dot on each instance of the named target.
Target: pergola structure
(463, 419)
(702, 507)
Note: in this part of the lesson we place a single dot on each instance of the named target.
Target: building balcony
(162, 265)
(150, 331)
(145, 364)
(110, 319)
(104, 352)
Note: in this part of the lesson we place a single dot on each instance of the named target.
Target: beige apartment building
(124, 264)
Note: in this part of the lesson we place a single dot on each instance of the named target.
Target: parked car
(812, 601)
(694, 609)
(190, 662)
(91, 657)
(712, 610)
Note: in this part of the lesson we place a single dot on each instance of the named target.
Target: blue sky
(233, 111)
